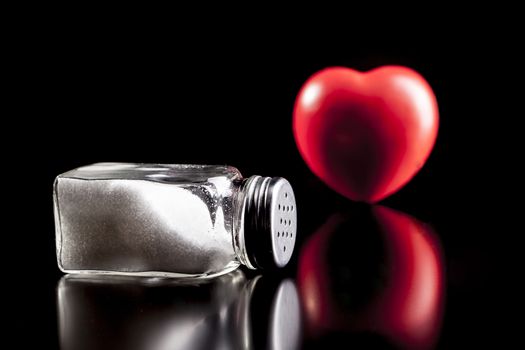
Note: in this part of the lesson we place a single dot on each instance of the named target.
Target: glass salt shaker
(171, 220)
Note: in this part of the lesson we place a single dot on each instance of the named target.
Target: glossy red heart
(365, 134)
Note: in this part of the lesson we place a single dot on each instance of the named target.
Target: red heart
(365, 134)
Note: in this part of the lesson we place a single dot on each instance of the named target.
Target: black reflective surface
(366, 276)
(370, 275)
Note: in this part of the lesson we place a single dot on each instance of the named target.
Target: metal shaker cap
(270, 221)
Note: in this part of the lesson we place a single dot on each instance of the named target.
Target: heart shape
(365, 134)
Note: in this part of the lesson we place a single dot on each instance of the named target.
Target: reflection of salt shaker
(229, 312)
(171, 220)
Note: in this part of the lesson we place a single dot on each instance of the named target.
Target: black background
(226, 97)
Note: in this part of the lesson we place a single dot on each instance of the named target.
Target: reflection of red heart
(365, 134)
(406, 303)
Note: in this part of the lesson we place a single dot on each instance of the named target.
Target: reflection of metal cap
(269, 220)
(285, 319)
(271, 315)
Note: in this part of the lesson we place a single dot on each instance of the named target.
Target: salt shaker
(171, 220)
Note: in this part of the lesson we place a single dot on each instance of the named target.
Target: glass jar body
(141, 219)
